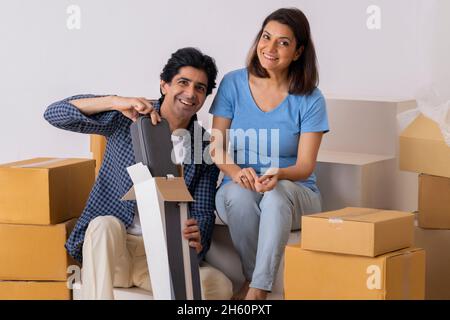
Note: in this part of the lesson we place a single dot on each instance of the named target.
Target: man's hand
(191, 232)
(132, 107)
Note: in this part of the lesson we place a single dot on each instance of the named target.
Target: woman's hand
(191, 232)
(132, 107)
(267, 181)
(246, 178)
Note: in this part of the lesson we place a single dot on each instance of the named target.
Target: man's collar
(157, 105)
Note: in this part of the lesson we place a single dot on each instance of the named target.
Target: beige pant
(113, 258)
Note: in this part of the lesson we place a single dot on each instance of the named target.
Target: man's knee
(103, 225)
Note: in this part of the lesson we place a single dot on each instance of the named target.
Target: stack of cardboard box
(355, 253)
(39, 201)
(423, 150)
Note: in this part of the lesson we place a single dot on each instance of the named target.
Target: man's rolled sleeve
(64, 115)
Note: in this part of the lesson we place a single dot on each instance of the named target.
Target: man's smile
(186, 103)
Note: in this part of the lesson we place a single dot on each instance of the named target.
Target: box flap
(345, 212)
(130, 195)
(360, 214)
(399, 252)
(43, 163)
(138, 173)
(170, 189)
(298, 246)
(350, 158)
(423, 128)
(173, 189)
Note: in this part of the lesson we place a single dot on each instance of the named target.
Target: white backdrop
(122, 46)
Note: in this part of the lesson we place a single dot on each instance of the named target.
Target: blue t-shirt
(261, 139)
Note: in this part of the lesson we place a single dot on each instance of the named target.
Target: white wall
(122, 46)
(440, 50)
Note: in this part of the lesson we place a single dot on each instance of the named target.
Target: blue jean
(260, 224)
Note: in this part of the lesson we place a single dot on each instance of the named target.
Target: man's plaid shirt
(113, 180)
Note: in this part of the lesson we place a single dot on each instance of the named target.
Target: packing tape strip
(406, 285)
(39, 164)
(341, 219)
(335, 220)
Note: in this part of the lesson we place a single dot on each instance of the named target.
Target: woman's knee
(278, 196)
(235, 197)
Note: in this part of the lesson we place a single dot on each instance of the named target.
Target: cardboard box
(434, 202)
(358, 231)
(98, 147)
(44, 190)
(133, 293)
(328, 276)
(437, 246)
(375, 121)
(163, 207)
(423, 149)
(29, 252)
(32, 290)
(348, 179)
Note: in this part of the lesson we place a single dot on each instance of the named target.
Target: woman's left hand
(268, 181)
(191, 232)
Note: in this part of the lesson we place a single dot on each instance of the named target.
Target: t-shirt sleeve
(315, 118)
(222, 105)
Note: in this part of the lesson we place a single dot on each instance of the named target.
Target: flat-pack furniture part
(162, 202)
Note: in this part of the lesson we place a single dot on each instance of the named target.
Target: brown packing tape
(354, 212)
(367, 216)
(340, 219)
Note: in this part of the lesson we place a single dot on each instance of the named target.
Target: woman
(275, 105)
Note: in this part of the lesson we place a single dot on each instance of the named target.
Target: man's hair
(190, 57)
(303, 74)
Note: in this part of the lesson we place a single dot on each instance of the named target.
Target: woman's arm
(218, 151)
(308, 149)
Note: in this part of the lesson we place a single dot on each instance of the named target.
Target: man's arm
(90, 106)
(96, 114)
(202, 209)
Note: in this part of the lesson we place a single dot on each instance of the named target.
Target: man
(107, 238)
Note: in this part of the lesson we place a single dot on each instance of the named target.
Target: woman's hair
(303, 74)
(190, 57)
